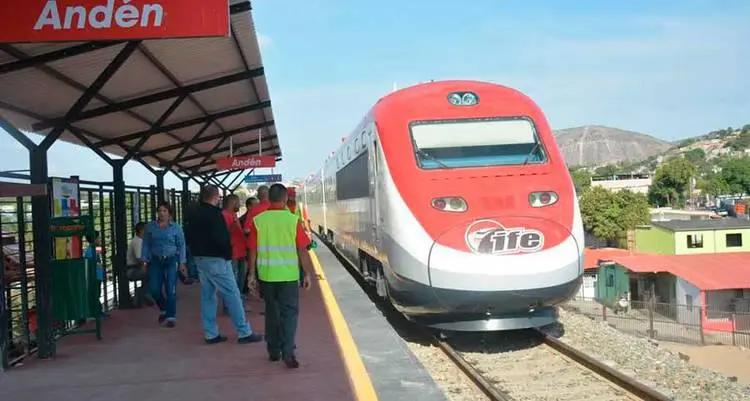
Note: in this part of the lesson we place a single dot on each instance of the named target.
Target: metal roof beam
(231, 183)
(187, 123)
(91, 92)
(52, 56)
(153, 98)
(195, 141)
(156, 126)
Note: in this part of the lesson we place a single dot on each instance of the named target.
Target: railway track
(529, 365)
(521, 365)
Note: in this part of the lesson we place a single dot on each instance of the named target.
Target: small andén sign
(245, 162)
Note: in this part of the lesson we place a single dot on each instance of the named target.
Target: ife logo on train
(76, 20)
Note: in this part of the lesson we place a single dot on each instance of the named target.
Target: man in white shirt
(135, 271)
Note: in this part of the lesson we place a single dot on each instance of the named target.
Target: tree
(714, 185)
(609, 215)
(740, 143)
(695, 156)
(581, 180)
(671, 182)
(736, 174)
(606, 171)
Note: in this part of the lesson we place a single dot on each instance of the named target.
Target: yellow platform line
(358, 376)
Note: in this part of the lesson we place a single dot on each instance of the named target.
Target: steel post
(4, 319)
(40, 210)
(121, 235)
(185, 198)
(160, 186)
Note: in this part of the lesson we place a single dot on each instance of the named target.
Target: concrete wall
(720, 241)
(714, 241)
(685, 313)
(654, 239)
(681, 244)
(635, 185)
(588, 288)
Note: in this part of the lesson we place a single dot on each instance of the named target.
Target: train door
(374, 170)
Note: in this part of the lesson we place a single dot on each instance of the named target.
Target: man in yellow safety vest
(278, 245)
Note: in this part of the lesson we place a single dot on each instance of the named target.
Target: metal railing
(687, 324)
(97, 200)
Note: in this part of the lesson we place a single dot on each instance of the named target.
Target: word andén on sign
(124, 16)
(245, 162)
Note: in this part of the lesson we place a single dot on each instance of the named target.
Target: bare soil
(725, 359)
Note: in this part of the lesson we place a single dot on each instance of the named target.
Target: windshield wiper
(431, 157)
(528, 157)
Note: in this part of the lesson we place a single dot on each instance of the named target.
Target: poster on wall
(65, 197)
(65, 202)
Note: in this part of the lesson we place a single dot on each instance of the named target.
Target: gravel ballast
(643, 359)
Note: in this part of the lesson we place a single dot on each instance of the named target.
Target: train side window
(351, 181)
(356, 145)
(375, 156)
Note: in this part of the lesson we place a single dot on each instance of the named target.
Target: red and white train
(454, 200)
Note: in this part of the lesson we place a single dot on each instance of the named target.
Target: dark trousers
(282, 310)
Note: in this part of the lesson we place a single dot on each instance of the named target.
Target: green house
(612, 283)
(687, 237)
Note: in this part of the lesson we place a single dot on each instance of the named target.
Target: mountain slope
(596, 145)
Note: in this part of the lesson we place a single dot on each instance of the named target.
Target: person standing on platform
(277, 244)
(237, 239)
(249, 203)
(262, 206)
(162, 250)
(296, 209)
(136, 272)
(212, 250)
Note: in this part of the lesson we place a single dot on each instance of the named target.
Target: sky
(671, 69)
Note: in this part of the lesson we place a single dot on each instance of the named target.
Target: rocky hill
(595, 145)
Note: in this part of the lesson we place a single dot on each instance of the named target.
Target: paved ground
(138, 360)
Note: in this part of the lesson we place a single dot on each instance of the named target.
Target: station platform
(346, 348)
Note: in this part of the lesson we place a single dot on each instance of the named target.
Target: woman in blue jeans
(163, 249)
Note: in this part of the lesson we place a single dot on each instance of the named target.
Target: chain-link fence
(688, 324)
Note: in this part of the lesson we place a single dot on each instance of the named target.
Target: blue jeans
(162, 281)
(191, 267)
(216, 275)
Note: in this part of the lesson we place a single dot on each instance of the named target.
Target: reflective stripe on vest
(277, 246)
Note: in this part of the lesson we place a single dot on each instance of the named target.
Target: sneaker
(252, 338)
(188, 281)
(162, 318)
(216, 340)
(291, 363)
(274, 357)
(170, 324)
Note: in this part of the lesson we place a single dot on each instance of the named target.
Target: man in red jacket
(237, 239)
(262, 206)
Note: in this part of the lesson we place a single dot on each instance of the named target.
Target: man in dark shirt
(208, 239)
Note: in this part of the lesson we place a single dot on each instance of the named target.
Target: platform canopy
(171, 104)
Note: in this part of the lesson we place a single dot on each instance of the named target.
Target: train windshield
(476, 143)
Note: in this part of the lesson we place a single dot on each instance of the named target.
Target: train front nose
(504, 266)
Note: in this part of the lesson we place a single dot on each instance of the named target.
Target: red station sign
(245, 162)
(82, 20)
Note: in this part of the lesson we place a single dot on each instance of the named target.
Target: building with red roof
(717, 283)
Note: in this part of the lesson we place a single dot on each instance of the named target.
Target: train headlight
(543, 198)
(469, 99)
(450, 204)
(463, 98)
(455, 99)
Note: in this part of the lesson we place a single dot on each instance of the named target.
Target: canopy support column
(160, 186)
(121, 235)
(185, 197)
(40, 211)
